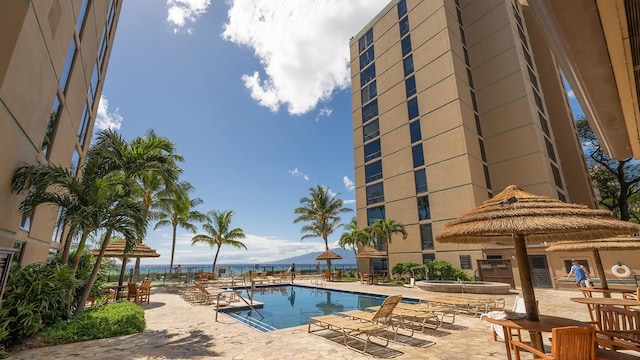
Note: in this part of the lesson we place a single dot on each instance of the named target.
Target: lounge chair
(273, 279)
(360, 329)
(420, 314)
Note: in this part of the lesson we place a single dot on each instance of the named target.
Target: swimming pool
(292, 305)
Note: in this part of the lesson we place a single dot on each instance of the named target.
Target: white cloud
(260, 249)
(348, 183)
(106, 119)
(296, 172)
(571, 94)
(180, 13)
(324, 112)
(302, 45)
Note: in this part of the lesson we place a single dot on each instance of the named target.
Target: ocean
(228, 270)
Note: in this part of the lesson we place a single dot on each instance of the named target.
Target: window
(402, 9)
(494, 257)
(465, 262)
(404, 26)
(368, 74)
(370, 111)
(365, 40)
(421, 181)
(483, 152)
(369, 92)
(81, 15)
(375, 193)
(59, 227)
(414, 128)
(487, 179)
(410, 86)
(412, 108)
(366, 58)
(426, 236)
(583, 262)
(408, 65)
(424, 211)
(373, 171)
(20, 245)
(427, 258)
(75, 161)
(25, 223)
(371, 130)
(93, 86)
(374, 214)
(64, 76)
(418, 155)
(372, 150)
(103, 46)
(552, 154)
(406, 45)
(53, 120)
(84, 125)
(556, 176)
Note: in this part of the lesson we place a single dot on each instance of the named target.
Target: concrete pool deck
(179, 330)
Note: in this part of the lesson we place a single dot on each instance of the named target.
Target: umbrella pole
(600, 268)
(525, 278)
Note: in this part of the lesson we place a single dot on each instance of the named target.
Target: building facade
(454, 100)
(53, 61)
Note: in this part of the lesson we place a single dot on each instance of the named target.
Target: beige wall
(32, 58)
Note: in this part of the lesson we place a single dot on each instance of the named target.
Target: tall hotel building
(53, 61)
(454, 100)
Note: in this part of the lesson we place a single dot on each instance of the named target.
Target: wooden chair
(138, 294)
(617, 321)
(365, 279)
(567, 343)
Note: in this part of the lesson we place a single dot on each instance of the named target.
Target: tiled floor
(178, 330)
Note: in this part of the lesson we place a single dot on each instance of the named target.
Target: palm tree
(148, 166)
(126, 216)
(219, 233)
(321, 211)
(384, 229)
(354, 237)
(85, 201)
(176, 210)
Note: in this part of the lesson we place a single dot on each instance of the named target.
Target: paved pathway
(178, 330)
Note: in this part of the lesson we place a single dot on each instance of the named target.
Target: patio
(190, 332)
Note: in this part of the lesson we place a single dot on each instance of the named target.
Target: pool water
(291, 305)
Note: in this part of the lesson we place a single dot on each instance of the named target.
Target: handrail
(233, 291)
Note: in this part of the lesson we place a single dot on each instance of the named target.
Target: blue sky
(256, 97)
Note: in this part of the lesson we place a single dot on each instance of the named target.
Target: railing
(241, 298)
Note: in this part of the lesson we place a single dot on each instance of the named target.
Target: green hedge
(111, 320)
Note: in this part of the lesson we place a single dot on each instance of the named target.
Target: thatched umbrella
(614, 243)
(117, 249)
(371, 253)
(328, 256)
(526, 218)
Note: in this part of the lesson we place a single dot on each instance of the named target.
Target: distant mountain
(347, 258)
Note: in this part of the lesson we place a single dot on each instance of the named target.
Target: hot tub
(471, 287)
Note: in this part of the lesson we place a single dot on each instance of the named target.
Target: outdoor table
(599, 302)
(117, 290)
(588, 290)
(535, 328)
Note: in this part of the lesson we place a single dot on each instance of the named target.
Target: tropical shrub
(443, 270)
(403, 271)
(111, 320)
(36, 296)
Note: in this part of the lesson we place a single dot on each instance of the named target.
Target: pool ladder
(253, 323)
(241, 298)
